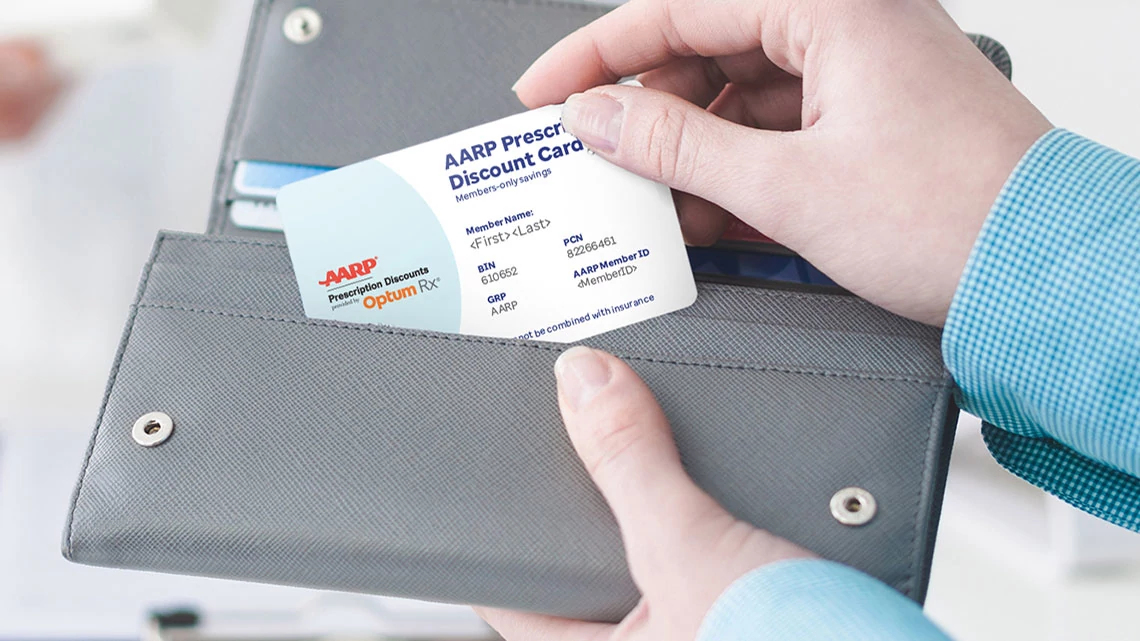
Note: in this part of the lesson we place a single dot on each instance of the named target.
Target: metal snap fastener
(302, 25)
(152, 429)
(853, 506)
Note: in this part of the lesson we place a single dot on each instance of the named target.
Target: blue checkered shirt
(1043, 339)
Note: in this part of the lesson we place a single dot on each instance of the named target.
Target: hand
(28, 86)
(683, 548)
(869, 136)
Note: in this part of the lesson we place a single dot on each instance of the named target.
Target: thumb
(669, 140)
(671, 528)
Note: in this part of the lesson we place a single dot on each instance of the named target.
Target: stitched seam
(717, 316)
(168, 236)
(577, 6)
(687, 313)
(773, 293)
(546, 348)
(123, 344)
(849, 300)
(922, 497)
(719, 287)
(174, 272)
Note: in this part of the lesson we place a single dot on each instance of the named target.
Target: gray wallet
(240, 439)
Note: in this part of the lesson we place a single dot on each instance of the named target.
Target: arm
(1043, 336)
(814, 599)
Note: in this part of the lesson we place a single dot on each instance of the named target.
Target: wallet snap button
(302, 25)
(853, 506)
(152, 429)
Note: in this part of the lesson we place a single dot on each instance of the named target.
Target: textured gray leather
(382, 75)
(374, 459)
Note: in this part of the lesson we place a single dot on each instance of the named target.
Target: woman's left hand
(683, 548)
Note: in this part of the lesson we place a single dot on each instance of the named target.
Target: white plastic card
(510, 229)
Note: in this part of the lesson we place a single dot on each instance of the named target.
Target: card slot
(209, 287)
(731, 342)
(224, 252)
(788, 308)
(716, 301)
(672, 336)
(814, 355)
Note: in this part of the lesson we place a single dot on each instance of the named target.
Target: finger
(683, 548)
(750, 68)
(700, 80)
(623, 439)
(671, 141)
(524, 626)
(645, 34)
(697, 80)
(702, 222)
(775, 107)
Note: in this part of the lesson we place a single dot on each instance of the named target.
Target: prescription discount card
(510, 229)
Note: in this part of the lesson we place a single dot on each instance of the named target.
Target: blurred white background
(131, 148)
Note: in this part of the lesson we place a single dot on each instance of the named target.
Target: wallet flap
(381, 76)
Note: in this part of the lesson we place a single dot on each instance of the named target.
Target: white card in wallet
(511, 229)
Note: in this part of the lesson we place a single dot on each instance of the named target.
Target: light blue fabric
(1043, 339)
(812, 599)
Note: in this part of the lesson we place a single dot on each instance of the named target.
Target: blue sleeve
(810, 600)
(1043, 336)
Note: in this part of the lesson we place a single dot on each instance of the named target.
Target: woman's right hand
(870, 136)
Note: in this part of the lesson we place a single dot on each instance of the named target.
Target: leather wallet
(240, 439)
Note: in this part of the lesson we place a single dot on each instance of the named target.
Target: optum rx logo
(349, 272)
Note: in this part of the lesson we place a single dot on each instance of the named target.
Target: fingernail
(581, 374)
(595, 119)
(515, 87)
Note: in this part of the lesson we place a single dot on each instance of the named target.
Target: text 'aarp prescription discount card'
(511, 229)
